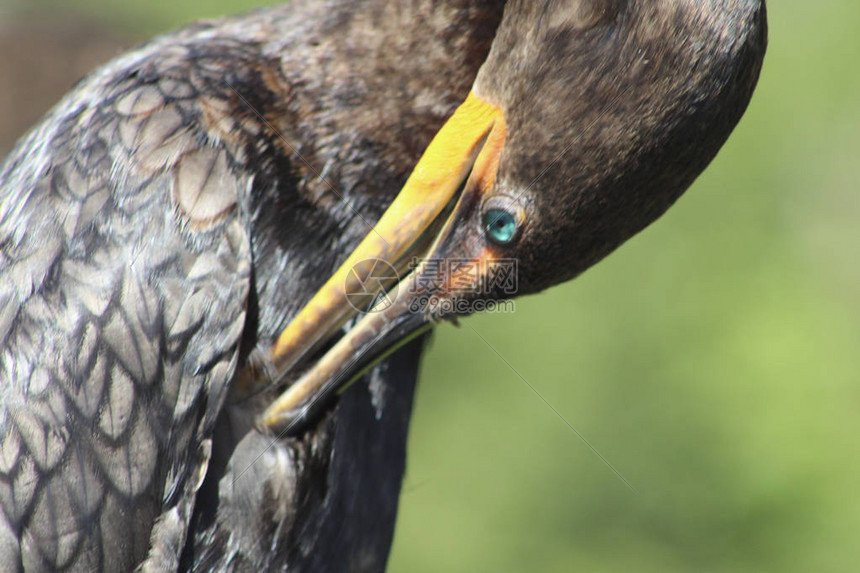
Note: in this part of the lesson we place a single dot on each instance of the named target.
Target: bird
(180, 234)
(164, 220)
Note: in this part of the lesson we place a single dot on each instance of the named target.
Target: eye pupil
(500, 225)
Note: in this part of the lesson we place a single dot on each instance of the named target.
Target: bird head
(587, 121)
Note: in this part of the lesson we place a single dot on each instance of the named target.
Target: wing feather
(125, 264)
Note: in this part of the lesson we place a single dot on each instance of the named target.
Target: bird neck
(359, 88)
(398, 58)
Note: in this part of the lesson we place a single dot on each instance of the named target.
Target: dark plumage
(173, 215)
(166, 218)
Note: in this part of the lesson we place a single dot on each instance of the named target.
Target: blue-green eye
(500, 226)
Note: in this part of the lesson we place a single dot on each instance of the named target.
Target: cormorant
(166, 231)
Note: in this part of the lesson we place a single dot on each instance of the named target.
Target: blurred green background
(714, 360)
